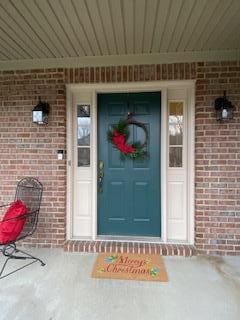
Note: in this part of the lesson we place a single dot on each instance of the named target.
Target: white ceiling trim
(116, 60)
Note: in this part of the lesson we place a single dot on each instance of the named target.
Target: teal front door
(129, 195)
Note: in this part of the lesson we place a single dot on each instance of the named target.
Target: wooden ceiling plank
(151, 18)
(140, 8)
(3, 56)
(128, 14)
(163, 11)
(77, 26)
(227, 41)
(211, 24)
(36, 29)
(7, 50)
(181, 23)
(229, 26)
(234, 40)
(170, 25)
(199, 27)
(190, 28)
(14, 40)
(10, 28)
(66, 26)
(61, 24)
(85, 20)
(6, 36)
(117, 18)
(96, 20)
(54, 26)
(39, 14)
(108, 25)
(26, 10)
(24, 29)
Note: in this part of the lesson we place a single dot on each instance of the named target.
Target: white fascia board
(116, 60)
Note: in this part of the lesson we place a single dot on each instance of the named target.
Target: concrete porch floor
(199, 288)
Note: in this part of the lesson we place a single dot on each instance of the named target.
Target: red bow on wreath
(119, 140)
(119, 135)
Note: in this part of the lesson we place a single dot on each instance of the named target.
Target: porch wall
(217, 164)
(27, 149)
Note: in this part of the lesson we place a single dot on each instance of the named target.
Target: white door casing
(177, 217)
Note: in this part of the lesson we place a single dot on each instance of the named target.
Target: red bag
(11, 229)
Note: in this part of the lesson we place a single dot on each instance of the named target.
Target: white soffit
(71, 33)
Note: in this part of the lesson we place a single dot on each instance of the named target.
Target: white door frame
(91, 90)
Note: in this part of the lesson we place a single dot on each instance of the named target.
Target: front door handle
(100, 176)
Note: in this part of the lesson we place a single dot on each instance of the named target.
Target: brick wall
(174, 71)
(28, 149)
(217, 161)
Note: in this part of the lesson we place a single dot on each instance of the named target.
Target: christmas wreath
(119, 135)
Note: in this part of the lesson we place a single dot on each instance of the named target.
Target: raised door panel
(177, 211)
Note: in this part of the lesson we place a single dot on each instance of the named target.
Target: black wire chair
(29, 191)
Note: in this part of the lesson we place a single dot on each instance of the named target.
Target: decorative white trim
(163, 171)
(191, 163)
(69, 164)
(116, 60)
(161, 86)
(131, 86)
(95, 164)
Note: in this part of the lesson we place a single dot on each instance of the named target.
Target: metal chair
(29, 191)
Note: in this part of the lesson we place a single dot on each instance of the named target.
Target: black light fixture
(40, 112)
(224, 108)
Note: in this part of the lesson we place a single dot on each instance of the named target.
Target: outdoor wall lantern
(40, 112)
(224, 108)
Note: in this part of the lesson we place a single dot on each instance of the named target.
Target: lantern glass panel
(37, 116)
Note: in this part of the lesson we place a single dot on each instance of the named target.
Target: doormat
(130, 266)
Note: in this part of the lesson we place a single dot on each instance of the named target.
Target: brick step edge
(130, 247)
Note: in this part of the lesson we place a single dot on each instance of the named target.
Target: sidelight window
(83, 135)
(175, 131)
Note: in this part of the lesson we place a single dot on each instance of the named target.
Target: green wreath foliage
(119, 135)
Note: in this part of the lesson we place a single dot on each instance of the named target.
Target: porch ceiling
(93, 32)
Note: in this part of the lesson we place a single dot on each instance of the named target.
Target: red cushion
(11, 229)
